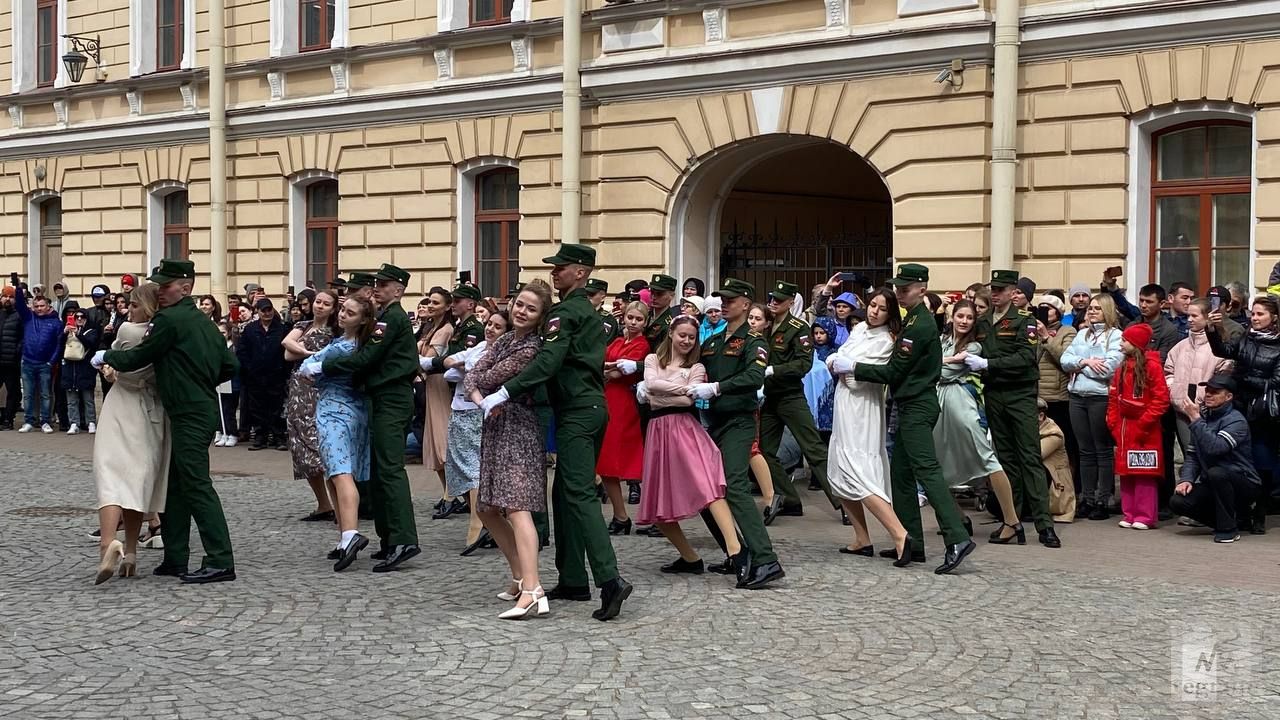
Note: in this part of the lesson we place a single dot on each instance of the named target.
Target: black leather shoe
(741, 564)
(383, 553)
(650, 531)
(772, 509)
(208, 575)
(620, 527)
(955, 555)
(450, 508)
(348, 554)
(326, 516)
(569, 592)
(864, 551)
(612, 595)
(334, 554)
(1019, 534)
(633, 493)
(1083, 509)
(761, 575)
(396, 557)
(684, 566)
(169, 570)
(724, 567)
(917, 554)
(479, 543)
(791, 511)
(1049, 538)
(1099, 512)
(903, 558)
(258, 446)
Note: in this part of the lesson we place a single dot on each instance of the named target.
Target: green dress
(964, 445)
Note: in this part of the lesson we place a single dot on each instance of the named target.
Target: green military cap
(662, 282)
(911, 273)
(515, 289)
(1004, 278)
(169, 270)
(467, 292)
(732, 288)
(595, 285)
(571, 254)
(783, 290)
(392, 273)
(361, 279)
(337, 282)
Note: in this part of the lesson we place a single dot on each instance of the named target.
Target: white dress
(858, 463)
(131, 449)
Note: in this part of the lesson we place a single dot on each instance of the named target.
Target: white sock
(347, 535)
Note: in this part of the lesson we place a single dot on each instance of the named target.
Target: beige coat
(131, 449)
(1053, 453)
(1053, 382)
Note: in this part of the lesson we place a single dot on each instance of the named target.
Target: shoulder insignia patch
(380, 329)
(150, 325)
(553, 325)
(607, 327)
(471, 341)
(762, 354)
(804, 341)
(905, 345)
(793, 322)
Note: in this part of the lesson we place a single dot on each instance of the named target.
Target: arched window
(497, 213)
(1200, 205)
(321, 232)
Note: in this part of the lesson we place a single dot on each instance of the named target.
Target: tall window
(176, 231)
(315, 24)
(322, 232)
(51, 239)
(498, 230)
(490, 12)
(46, 42)
(169, 34)
(1200, 202)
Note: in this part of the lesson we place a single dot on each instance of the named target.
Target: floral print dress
(513, 471)
(300, 410)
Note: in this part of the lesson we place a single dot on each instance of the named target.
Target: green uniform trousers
(915, 461)
(390, 409)
(1015, 432)
(734, 434)
(791, 410)
(191, 497)
(578, 524)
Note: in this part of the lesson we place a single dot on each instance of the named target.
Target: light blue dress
(341, 417)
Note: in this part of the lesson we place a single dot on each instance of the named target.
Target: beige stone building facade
(744, 138)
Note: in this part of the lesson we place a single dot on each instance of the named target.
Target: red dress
(622, 454)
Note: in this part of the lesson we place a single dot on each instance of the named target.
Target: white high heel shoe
(508, 595)
(540, 605)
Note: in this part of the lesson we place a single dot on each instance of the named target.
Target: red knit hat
(128, 280)
(1138, 334)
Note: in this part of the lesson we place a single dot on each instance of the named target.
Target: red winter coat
(1134, 420)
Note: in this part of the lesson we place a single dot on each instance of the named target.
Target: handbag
(1266, 405)
(74, 351)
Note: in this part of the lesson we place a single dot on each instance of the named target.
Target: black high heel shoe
(1018, 533)
(620, 527)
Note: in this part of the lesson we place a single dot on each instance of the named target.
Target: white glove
(453, 375)
(642, 393)
(311, 370)
(704, 391)
(975, 362)
(841, 365)
(425, 363)
(768, 372)
(492, 401)
(98, 358)
(760, 396)
(626, 367)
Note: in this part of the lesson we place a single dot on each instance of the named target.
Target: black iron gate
(803, 255)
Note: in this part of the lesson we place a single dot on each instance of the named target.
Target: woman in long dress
(433, 339)
(960, 435)
(858, 464)
(622, 452)
(307, 338)
(342, 425)
(131, 455)
(513, 473)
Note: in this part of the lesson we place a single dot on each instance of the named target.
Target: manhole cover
(52, 511)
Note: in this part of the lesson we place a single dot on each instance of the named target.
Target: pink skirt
(683, 472)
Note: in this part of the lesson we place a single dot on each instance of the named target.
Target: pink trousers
(1139, 498)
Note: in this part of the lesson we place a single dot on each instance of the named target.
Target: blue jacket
(1220, 438)
(41, 335)
(706, 329)
(1089, 344)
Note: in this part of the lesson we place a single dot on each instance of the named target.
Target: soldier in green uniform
(785, 407)
(662, 290)
(468, 331)
(360, 284)
(735, 361)
(338, 286)
(571, 365)
(912, 375)
(597, 291)
(1009, 347)
(384, 367)
(190, 359)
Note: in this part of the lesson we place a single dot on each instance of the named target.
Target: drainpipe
(1004, 126)
(217, 149)
(571, 109)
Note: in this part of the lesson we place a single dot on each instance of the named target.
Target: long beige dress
(439, 398)
(131, 449)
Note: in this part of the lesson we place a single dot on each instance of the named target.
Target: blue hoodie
(41, 335)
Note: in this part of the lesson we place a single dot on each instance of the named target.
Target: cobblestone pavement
(1100, 629)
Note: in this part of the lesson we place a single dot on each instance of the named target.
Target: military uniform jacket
(790, 356)
(388, 359)
(913, 370)
(656, 331)
(612, 328)
(1011, 347)
(190, 358)
(736, 361)
(467, 334)
(571, 362)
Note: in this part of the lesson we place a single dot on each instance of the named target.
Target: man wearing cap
(191, 359)
(468, 331)
(385, 367)
(1010, 352)
(1219, 482)
(785, 407)
(662, 290)
(912, 375)
(339, 286)
(597, 290)
(264, 377)
(1078, 299)
(735, 360)
(361, 284)
(571, 366)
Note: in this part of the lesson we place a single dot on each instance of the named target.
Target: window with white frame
(313, 228)
(38, 45)
(306, 25)
(488, 211)
(168, 229)
(461, 14)
(162, 36)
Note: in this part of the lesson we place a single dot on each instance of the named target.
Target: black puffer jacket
(1257, 362)
(10, 337)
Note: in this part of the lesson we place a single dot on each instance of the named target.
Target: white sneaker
(1125, 524)
(218, 439)
(26, 427)
(93, 428)
(1141, 526)
(46, 428)
(74, 429)
(229, 441)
